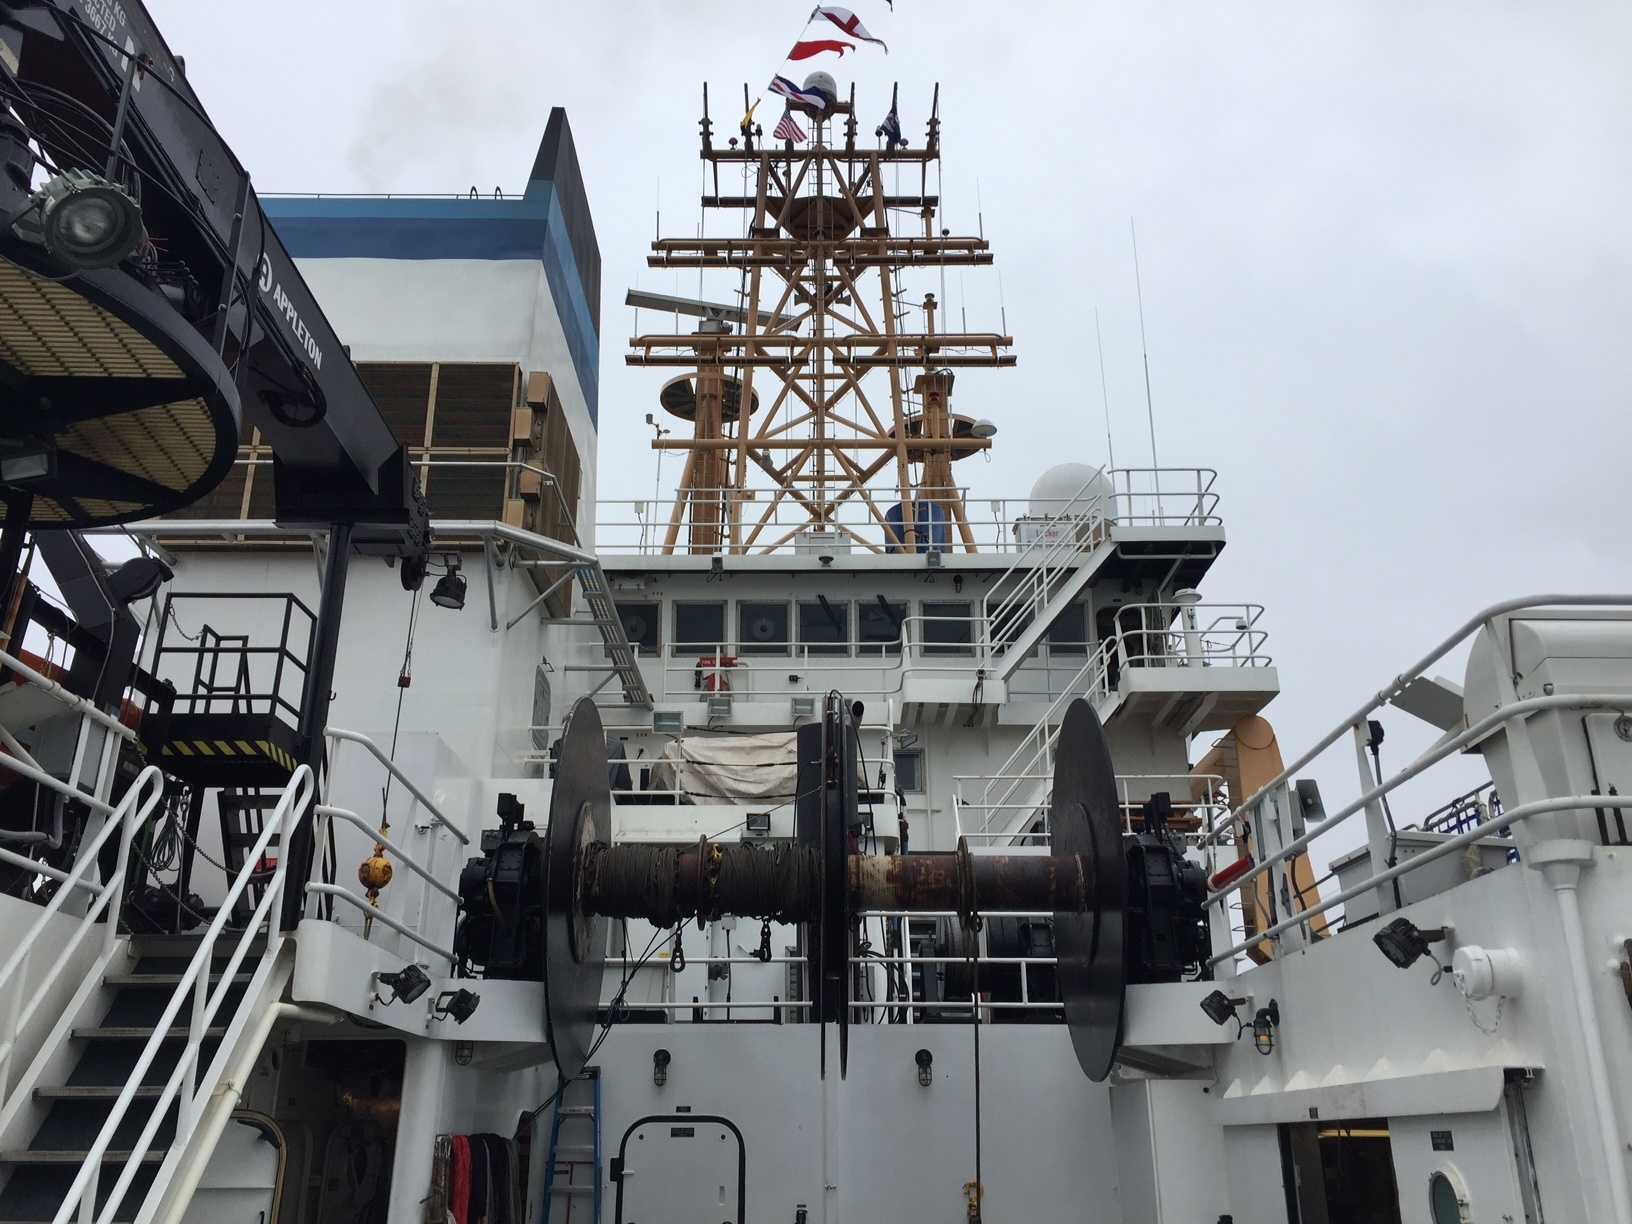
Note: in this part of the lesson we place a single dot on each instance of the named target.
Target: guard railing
(1267, 812)
(423, 816)
(23, 994)
(186, 1085)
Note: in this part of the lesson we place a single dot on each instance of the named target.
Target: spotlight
(86, 221)
(1403, 942)
(926, 1062)
(1263, 1028)
(826, 559)
(407, 984)
(983, 429)
(26, 459)
(660, 1067)
(1220, 1008)
(460, 1004)
(139, 578)
(449, 591)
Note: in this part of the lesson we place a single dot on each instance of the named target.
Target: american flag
(787, 129)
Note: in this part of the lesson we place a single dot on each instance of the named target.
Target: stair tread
(161, 979)
(130, 1032)
(572, 1189)
(84, 1092)
(576, 1111)
(28, 1156)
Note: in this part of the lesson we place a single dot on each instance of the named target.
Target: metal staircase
(104, 1058)
(561, 1199)
(1051, 571)
(1018, 792)
(130, 1090)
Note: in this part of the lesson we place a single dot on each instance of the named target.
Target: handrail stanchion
(1377, 834)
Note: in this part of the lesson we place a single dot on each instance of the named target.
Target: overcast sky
(1385, 247)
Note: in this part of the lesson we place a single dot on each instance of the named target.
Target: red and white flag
(788, 129)
(848, 22)
(804, 50)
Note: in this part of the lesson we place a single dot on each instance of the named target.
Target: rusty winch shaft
(666, 884)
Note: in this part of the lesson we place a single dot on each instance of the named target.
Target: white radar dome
(1056, 489)
(824, 84)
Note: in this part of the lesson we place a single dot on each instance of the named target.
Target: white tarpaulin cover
(729, 767)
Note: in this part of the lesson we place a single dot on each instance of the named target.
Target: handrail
(62, 788)
(1450, 846)
(1441, 750)
(82, 1193)
(71, 700)
(1385, 695)
(351, 898)
(131, 813)
(357, 737)
(407, 860)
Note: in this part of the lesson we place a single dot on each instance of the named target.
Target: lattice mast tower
(820, 383)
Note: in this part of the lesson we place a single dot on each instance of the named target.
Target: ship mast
(853, 399)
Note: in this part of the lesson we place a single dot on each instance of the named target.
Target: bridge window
(879, 626)
(824, 627)
(699, 625)
(762, 628)
(640, 622)
(947, 628)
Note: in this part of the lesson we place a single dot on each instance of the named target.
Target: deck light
(449, 591)
(85, 220)
(926, 1062)
(660, 1067)
(407, 984)
(1220, 1007)
(459, 1004)
(983, 429)
(1263, 1028)
(1403, 942)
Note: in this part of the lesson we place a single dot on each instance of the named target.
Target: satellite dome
(824, 84)
(1056, 488)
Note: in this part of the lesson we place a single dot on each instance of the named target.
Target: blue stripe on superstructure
(533, 227)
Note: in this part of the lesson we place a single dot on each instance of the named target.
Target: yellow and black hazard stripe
(249, 752)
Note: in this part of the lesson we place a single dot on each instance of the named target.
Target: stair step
(91, 1092)
(569, 1190)
(34, 1193)
(162, 979)
(185, 946)
(52, 1156)
(576, 1111)
(136, 1032)
(574, 1153)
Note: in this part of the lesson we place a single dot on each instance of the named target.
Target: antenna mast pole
(1105, 392)
(1150, 412)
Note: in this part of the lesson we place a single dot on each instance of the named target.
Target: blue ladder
(565, 1113)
